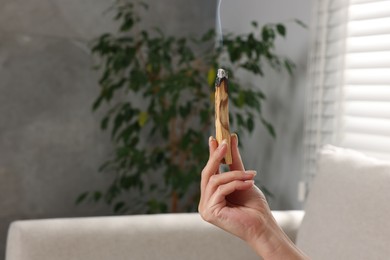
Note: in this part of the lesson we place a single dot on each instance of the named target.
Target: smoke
(219, 35)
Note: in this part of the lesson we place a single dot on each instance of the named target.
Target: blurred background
(51, 144)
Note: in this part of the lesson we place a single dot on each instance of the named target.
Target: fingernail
(224, 142)
(251, 172)
(210, 139)
(236, 136)
(251, 181)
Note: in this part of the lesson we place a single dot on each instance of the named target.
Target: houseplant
(157, 93)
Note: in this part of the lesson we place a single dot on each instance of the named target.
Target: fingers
(237, 164)
(213, 145)
(221, 185)
(219, 197)
(215, 157)
(216, 181)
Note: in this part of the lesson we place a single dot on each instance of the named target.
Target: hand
(232, 202)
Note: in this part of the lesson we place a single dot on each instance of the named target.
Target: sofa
(346, 217)
(138, 237)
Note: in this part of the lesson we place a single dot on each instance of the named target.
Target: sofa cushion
(348, 208)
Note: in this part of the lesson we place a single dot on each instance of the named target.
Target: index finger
(212, 166)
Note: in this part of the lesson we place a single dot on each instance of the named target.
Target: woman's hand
(232, 202)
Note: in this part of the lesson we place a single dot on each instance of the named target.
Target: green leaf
(112, 192)
(209, 35)
(299, 22)
(260, 95)
(118, 122)
(97, 103)
(157, 206)
(267, 34)
(185, 110)
(254, 24)
(241, 99)
(104, 123)
(143, 118)
(127, 23)
(187, 139)
(253, 67)
(250, 124)
(269, 127)
(144, 5)
(127, 182)
(289, 65)
(81, 197)
(97, 195)
(240, 120)
(118, 206)
(281, 29)
(211, 75)
(205, 116)
(234, 52)
(104, 166)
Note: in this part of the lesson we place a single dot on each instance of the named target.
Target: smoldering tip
(221, 74)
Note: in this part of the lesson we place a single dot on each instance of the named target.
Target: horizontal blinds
(352, 2)
(369, 10)
(366, 90)
(367, 76)
(374, 109)
(372, 60)
(367, 142)
(369, 27)
(371, 43)
(364, 125)
(367, 93)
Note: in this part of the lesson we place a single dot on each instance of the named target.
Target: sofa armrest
(289, 221)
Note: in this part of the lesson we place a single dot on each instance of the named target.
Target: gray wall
(278, 161)
(50, 142)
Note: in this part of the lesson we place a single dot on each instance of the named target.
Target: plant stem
(174, 203)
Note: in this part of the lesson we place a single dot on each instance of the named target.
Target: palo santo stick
(222, 112)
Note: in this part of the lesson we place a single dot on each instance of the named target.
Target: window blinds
(349, 79)
(366, 87)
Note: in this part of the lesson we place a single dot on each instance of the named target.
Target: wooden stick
(222, 112)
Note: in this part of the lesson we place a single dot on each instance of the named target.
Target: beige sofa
(145, 237)
(346, 217)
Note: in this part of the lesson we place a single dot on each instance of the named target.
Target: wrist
(274, 244)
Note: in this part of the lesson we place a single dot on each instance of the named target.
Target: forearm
(274, 244)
